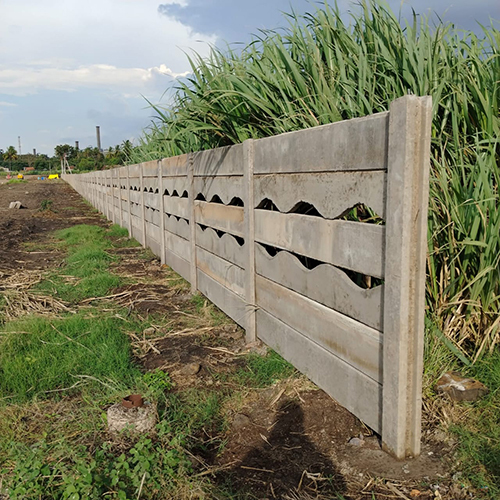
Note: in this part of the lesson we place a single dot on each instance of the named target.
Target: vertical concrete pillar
(192, 222)
(405, 250)
(249, 215)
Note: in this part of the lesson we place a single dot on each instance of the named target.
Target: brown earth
(287, 441)
(32, 225)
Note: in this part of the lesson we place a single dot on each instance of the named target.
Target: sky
(67, 66)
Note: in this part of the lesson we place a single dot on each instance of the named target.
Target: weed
(479, 434)
(116, 231)
(86, 272)
(46, 204)
(64, 356)
(262, 371)
(16, 181)
(209, 311)
(54, 470)
(157, 382)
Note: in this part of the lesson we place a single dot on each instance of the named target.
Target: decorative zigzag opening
(267, 204)
(216, 199)
(220, 234)
(177, 218)
(236, 202)
(305, 208)
(362, 280)
(361, 213)
(357, 213)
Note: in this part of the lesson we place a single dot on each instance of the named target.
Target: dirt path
(30, 226)
(283, 438)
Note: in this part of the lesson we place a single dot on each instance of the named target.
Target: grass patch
(263, 371)
(85, 274)
(479, 434)
(16, 181)
(46, 204)
(39, 356)
(193, 410)
(120, 237)
(116, 231)
(476, 426)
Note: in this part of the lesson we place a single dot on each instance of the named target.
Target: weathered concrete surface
(137, 420)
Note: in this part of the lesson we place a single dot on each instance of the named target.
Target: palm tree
(10, 154)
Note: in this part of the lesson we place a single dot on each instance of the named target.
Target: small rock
(459, 388)
(191, 369)
(372, 442)
(257, 348)
(414, 493)
(356, 442)
(16, 205)
(149, 331)
(137, 420)
(240, 420)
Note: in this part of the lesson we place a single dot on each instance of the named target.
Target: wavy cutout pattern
(325, 284)
(224, 188)
(331, 194)
(363, 281)
(224, 245)
(177, 226)
(235, 201)
(357, 213)
(220, 234)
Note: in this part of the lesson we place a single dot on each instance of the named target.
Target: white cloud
(117, 44)
(133, 81)
(7, 104)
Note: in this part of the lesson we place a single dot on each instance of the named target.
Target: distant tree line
(82, 160)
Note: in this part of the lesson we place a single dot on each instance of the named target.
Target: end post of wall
(162, 212)
(405, 249)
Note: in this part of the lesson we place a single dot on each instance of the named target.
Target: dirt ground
(284, 438)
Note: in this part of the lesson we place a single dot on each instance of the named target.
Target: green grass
(85, 274)
(46, 204)
(39, 355)
(120, 237)
(117, 231)
(16, 181)
(263, 371)
(479, 436)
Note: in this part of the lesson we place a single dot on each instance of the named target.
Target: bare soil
(32, 226)
(289, 438)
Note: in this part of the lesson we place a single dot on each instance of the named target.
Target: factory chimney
(98, 134)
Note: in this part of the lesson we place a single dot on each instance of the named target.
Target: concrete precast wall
(263, 230)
